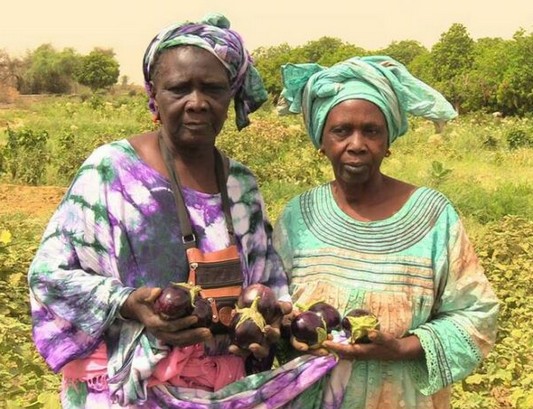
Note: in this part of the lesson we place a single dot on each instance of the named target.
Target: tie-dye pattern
(416, 271)
(116, 229)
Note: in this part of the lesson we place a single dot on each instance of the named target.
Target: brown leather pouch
(219, 275)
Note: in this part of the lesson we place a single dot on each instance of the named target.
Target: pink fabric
(88, 368)
(187, 367)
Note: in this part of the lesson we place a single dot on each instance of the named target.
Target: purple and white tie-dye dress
(115, 230)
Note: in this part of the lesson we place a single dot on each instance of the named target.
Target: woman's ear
(152, 89)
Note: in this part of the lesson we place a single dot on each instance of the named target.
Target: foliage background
(482, 163)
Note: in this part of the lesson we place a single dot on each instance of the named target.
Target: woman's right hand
(139, 306)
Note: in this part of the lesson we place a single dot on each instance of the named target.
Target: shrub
(518, 138)
(26, 155)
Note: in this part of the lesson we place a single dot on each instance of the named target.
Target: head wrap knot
(213, 34)
(314, 90)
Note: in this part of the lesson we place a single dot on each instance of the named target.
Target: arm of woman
(462, 329)
(75, 290)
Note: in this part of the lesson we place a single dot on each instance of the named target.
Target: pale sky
(127, 26)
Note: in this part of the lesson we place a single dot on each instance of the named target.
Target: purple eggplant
(176, 301)
(203, 309)
(329, 314)
(309, 328)
(268, 304)
(247, 326)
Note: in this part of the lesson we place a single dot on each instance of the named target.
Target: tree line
(488, 74)
(46, 70)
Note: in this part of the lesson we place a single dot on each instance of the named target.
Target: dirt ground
(31, 200)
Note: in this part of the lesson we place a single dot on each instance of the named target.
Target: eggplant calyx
(360, 326)
(194, 290)
(251, 313)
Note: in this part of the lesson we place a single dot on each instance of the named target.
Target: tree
(10, 70)
(486, 74)
(341, 53)
(49, 71)
(452, 57)
(98, 70)
(422, 67)
(515, 92)
(269, 60)
(315, 51)
(404, 51)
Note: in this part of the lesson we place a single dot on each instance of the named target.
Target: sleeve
(463, 326)
(261, 261)
(75, 290)
(281, 239)
(277, 276)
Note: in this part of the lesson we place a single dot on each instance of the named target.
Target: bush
(487, 206)
(505, 379)
(26, 155)
(518, 138)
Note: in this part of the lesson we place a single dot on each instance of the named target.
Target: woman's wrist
(125, 311)
(410, 347)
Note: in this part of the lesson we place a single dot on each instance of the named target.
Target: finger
(179, 324)
(286, 307)
(319, 351)
(376, 337)
(235, 350)
(299, 346)
(338, 348)
(272, 334)
(259, 351)
(185, 338)
(152, 295)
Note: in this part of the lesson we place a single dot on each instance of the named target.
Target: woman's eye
(217, 89)
(372, 131)
(339, 131)
(179, 90)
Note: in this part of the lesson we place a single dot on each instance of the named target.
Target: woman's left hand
(383, 347)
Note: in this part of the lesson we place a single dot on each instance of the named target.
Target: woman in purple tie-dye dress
(115, 237)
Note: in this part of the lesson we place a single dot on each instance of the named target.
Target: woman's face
(192, 94)
(355, 140)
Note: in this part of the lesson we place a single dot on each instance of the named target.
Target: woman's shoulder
(114, 151)
(308, 197)
(428, 196)
(428, 200)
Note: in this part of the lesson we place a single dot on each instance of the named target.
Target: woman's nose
(356, 141)
(196, 101)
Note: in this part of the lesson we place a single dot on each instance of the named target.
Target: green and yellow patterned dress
(416, 270)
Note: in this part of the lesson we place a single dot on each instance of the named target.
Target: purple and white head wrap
(214, 35)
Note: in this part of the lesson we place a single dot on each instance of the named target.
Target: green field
(483, 164)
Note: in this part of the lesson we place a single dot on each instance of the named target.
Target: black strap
(221, 172)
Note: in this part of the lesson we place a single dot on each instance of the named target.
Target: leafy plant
(518, 138)
(26, 155)
(438, 173)
(25, 381)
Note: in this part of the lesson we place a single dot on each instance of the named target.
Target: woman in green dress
(369, 241)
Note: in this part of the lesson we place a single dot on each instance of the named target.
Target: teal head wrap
(314, 90)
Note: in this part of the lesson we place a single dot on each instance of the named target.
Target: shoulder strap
(221, 172)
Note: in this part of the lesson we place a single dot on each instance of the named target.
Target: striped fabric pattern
(416, 271)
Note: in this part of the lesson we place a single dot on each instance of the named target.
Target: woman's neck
(373, 201)
(196, 169)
